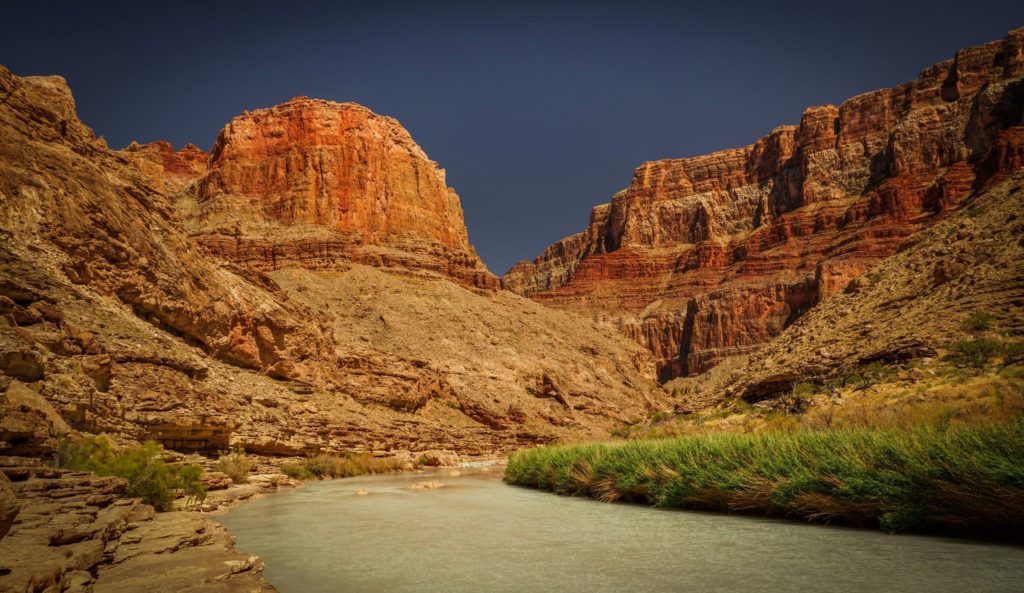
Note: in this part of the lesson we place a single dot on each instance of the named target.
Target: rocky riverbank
(72, 532)
(63, 531)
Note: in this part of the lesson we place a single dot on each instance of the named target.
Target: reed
(954, 479)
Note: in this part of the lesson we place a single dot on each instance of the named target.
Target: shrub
(330, 466)
(149, 477)
(978, 321)
(236, 465)
(974, 353)
(296, 471)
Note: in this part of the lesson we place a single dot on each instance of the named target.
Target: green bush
(974, 353)
(958, 479)
(296, 471)
(352, 464)
(236, 465)
(978, 321)
(149, 477)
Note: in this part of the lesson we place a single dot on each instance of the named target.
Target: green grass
(964, 480)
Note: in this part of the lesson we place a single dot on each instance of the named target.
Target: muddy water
(479, 535)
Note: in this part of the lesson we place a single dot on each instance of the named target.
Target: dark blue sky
(537, 111)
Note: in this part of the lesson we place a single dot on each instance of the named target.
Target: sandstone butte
(309, 183)
(708, 257)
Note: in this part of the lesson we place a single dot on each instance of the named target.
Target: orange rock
(310, 182)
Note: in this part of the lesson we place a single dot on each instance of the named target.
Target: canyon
(308, 287)
(704, 258)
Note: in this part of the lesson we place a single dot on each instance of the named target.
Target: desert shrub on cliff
(974, 353)
(978, 321)
(149, 477)
(236, 465)
(966, 479)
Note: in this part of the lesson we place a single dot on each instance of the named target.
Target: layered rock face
(311, 183)
(706, 257)
(912, 305)
(172, 169)
(113, 320)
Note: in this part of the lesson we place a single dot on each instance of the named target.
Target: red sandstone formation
(706, 257)
(309, 183)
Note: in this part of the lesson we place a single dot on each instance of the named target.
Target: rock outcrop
(74, 533)
(706, 257)
(309, 183)
(175, 169)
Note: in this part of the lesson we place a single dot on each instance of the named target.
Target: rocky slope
(912, 305)
(119, 314)
(707, 257)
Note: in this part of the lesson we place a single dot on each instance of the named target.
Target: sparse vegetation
(978, 321)
(354, 464)
(296, 471)
(149, 477)
(236, 465)
(957, 479)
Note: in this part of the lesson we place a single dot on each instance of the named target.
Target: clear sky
(537, 111)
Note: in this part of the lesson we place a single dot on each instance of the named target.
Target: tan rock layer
(704, 257)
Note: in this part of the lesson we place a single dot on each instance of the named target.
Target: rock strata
(309, 183)
(706, 257)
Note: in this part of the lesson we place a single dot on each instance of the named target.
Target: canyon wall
(120, 314)
(706, 257)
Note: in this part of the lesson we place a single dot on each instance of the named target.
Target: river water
(479, 535)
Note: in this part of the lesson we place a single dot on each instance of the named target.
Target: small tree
(974, 353)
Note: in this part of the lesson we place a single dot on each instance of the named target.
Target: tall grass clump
(149, 477)
(966, 480)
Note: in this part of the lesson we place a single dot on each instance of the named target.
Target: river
(480, 535)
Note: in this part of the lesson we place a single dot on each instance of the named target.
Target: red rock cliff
(310, 182)
(705, 257)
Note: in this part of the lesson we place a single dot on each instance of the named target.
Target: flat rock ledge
(73, 533)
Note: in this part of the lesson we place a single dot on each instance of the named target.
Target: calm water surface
(479, 535)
